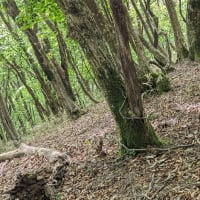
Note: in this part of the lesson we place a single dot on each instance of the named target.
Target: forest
(99, 99)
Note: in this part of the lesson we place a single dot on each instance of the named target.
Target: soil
(93, 175)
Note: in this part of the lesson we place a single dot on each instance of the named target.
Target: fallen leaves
(171, 175)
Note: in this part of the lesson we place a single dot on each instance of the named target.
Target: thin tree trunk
(193, 29)
(181, 48)
(46, 90)
(51, 72)
(158, 52)
(41, 110)
(80, 79)
(63, 68)
(6, 120)
(49, 69)
(22, 124)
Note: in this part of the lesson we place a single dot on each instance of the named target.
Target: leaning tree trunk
(52, 103)
(66, 101)
(159, 54)
(181, 48)
(39, 107)
(6, 120)
(63, 69)
(193, 29)
(134, 130)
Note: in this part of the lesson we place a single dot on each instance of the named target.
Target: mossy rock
(162, 84)
(160, 80)
(156, 80)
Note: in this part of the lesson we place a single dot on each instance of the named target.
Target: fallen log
(50, 154)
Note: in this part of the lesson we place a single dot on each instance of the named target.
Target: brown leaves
(171, 175)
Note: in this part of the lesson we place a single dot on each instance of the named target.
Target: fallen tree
(50, 154)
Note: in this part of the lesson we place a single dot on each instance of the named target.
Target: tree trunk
(135, 131)
(6, 120)
(193, 29)
(104, 25)
(63, 68)
(48, 67)
(52, 102)
(39, 107)
(21, 122)
(181, 48)
(82, 81)
(65, 100)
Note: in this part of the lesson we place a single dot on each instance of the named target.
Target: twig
(159, 150)
(166, 181)
(151, 184)
(197, 139)
(158, 162)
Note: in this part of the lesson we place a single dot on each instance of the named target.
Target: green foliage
(36, 11)
(24, 110)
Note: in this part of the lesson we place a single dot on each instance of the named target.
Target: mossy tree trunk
(193, 29)
(134, 129)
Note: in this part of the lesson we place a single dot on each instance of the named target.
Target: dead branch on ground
(50, 154)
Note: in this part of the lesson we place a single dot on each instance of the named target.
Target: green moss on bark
(134, 132)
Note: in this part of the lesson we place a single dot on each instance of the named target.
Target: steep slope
(93, 175)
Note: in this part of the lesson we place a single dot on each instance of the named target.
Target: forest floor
(170, 175)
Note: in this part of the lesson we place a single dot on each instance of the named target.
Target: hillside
(168, 175)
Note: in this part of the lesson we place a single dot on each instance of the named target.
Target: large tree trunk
(193, 29)
(135, 131)
(104, 25)
(181, 49)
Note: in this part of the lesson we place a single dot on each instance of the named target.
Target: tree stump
(40, 185)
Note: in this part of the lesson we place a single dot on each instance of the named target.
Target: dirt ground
(169, 175)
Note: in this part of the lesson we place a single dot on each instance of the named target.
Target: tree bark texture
(6, 120)
(193, 29)
(65, 100)
(135, 132)
(181, 48)
(52, 103)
